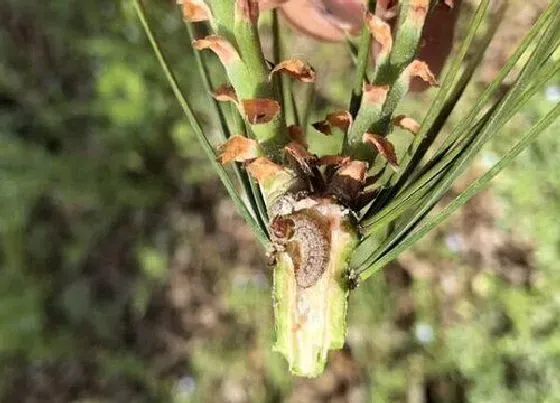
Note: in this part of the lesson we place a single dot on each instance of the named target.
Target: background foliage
(125, 275)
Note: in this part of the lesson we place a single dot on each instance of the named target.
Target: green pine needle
(197, 129)
(475, 187)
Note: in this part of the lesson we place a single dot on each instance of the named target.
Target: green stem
(285, 84)
(239, 125)
(206, 146)
(249, 76)
(242, 176)
(361, 66)
(309, 102)
(310, 321)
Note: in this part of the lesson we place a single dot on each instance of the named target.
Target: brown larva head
(282, 228)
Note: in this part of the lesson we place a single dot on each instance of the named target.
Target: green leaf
(466, 195)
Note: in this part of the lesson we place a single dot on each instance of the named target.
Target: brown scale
(306, 237)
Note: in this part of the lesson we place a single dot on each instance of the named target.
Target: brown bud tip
(297, 135)
(239, 149)
(260, 110)
(333, 160)
(354, 169)
(384, 147)
(195, 10)
(247, 10)
(322, 127)
(295, 68)
(225, 93)
(375, 94)
(339, 119)
(421, 70)
(219, 45)
(348, 181)
(304, 158)
(262, 169)
(418, 9)
(381, 32)
(406, 123)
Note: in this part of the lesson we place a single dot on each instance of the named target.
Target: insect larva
(307, 239)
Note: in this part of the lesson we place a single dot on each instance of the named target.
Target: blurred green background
(126, 275)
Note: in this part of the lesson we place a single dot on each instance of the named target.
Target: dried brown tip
(348, 182)
(449, 3)
(339, 119)
(354, 169)
(195, 10)
(384, 147)
(323, 127)
(336, 160)
(418, 9)
(406, 123)
(219, 45)
(304, 158)
(295, 68)
(247, 10)
(421, 70)
(260, 110)
(297, 135)
(381, 32)
(225, 93)
(239, 149)
(262, 169)
(374, 94)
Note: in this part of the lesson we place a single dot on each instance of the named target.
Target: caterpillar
(305, 235)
